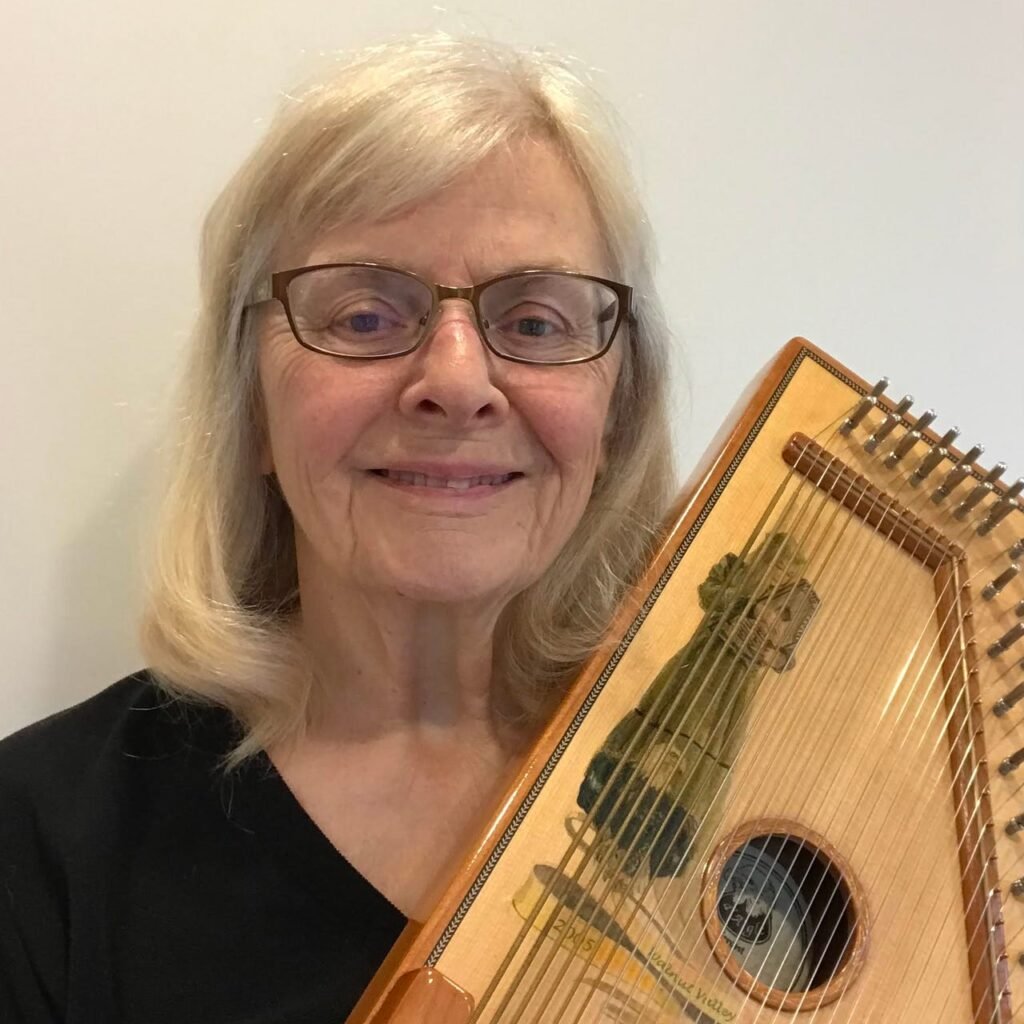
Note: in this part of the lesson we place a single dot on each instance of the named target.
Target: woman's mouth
(451, 483)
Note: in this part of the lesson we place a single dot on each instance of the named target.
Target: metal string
(939, 742)
(625, 756)
(813, 493)
(655, 710)
(804, 996)
(821, 639)
(705, 681)
(882, 786)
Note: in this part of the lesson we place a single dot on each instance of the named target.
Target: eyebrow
(516, 268)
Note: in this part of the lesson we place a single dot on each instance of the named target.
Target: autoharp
(788, 788)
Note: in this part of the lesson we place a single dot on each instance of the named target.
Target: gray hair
(391, 126)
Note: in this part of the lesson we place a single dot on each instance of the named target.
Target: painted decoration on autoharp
(663, 767)
(652, 789)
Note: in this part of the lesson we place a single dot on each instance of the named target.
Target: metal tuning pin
(981, 491)
(934, 457)
(1017, 550)
(1011, 763)
(1008, 700)
(956, 474)
(1002, 508)
(1017, 888)
(1014, 825)
(868, 402)
(888, 425)
(909, 439)
(999, 582)
(1011, 636)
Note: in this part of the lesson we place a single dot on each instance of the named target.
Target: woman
(424, 448)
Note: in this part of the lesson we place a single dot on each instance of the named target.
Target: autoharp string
(838, 653)
(904, 691)
(835, 568)
(978, 890)
(875, 780)
(660, 709)
(724, 684)
(968, 806)
(971, 801)
(546, 894)
(726, 714)
(824, 532)
(966, 793)
(586, 893)
(908, 692)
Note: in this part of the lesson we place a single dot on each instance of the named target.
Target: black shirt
(139, 885)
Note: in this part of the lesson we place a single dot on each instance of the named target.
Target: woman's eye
(533, 323)
(534, 327)
(363, 323)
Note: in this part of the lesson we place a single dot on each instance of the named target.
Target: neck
(402, 671)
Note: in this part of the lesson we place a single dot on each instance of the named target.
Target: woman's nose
(452, 379)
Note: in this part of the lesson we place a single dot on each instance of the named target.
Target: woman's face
(339, 432)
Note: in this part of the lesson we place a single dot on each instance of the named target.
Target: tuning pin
(868, 402)
(888, 425)
(1017, 550)
(1011, 636)
(1002, 508)
(1008, 700)
(982, 490)
(909, 439)
(999, 582)
(1011, 763)
(956, 474)
(934, 456)
(1014, 825)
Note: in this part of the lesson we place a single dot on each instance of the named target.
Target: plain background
(851, 172)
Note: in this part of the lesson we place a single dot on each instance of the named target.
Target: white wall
(852, 172)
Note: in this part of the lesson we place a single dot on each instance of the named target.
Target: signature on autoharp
(636, 978)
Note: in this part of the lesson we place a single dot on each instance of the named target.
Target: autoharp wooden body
(788, 787)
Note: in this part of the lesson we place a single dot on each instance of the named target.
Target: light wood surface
(870, 749)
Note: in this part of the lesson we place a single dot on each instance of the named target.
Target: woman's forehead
(521, 208)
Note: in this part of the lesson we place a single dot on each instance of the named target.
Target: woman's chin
(441, 575)
(455, 586)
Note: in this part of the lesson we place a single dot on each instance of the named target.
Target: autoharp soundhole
(783, 919)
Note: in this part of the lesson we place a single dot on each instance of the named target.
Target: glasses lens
(549, 318)
(358, 311)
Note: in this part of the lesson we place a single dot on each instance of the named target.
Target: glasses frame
(280, 281)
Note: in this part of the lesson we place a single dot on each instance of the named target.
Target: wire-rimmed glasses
(370, 311)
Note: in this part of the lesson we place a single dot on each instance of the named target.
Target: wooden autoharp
(788, 789)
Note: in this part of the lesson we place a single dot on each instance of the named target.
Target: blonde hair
(391, 126)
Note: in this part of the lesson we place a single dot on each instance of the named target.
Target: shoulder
(54, 762)
(83, 724)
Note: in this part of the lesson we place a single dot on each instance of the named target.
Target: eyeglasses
(369, 311)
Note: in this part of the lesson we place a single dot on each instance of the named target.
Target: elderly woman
(424, 449)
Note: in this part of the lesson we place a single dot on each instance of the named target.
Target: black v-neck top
(139, 885)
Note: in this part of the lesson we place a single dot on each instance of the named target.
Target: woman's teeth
(456, 484)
